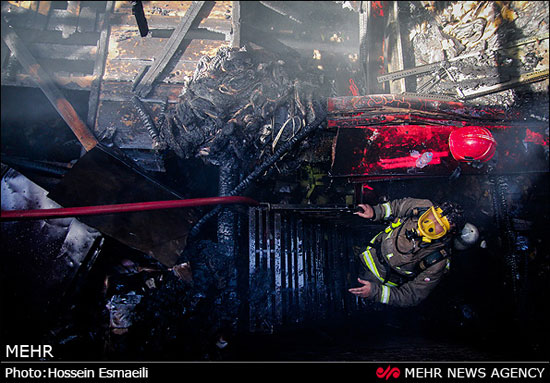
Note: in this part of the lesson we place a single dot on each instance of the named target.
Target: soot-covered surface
(491, 306)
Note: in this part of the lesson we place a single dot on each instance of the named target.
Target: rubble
(240, 112)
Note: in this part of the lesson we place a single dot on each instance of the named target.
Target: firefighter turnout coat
(392, 260)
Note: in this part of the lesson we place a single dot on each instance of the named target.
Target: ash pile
(241, 105)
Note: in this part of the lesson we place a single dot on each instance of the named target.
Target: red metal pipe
(15, 215)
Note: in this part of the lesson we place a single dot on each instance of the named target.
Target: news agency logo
(389, 372)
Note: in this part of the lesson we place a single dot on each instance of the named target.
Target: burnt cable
(147, 121)
(263, 167)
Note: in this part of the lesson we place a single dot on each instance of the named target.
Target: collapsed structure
(308, 109)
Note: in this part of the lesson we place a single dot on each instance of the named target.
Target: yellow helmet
(433, 225)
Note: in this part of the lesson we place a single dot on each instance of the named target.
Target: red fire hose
(15, 215)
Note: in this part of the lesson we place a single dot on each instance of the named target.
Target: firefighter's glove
(365, 211)
(362, 291)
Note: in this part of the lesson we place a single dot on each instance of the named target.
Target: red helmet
(472, 143)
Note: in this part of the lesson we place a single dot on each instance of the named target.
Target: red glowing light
(353, 88)
(535, 138)
(365, 186)
(378, 8)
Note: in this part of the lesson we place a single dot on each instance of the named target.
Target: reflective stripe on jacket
(402, 255)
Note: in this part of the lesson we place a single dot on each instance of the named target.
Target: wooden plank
(48, 86)
(100, 20)
(170, 51)
(55, 37)
(371, 40)
(64, 67)
(126, 43)
(122, 91)
(123, 70)
(62, 20)
(236, 25)
(364, 46)
(86, 20)
(67, 52)
(73, 7)
(125, 67)
(99, 67)
(394, 48)
(193, 34)
(220, 10)
(129, 54)
(23, 4)
(66, 81)
(34, 6)
(44, 7)
(168, 14)
(41, 22)
(123, 7)
(172, 22)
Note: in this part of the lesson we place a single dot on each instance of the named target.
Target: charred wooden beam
(44, 7)
(41, 17)
(236, 25)
(137, 11)
(55, 37)
(73, 7)
(172, 22)
(394, 48)
(61, 51)
(170, 51)
(193, 34)
(66, 81)
(99, 67)
(48, 86)
(63, 20)
(86, 20)
(364, 13)
(372, 25)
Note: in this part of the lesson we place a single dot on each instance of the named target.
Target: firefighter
(406, 261)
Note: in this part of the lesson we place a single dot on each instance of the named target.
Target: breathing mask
(433, 224)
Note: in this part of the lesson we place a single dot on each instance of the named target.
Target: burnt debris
(309, 108)
(243, 105)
